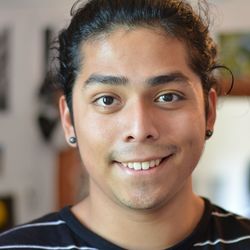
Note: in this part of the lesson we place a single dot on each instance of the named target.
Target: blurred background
(39, 173)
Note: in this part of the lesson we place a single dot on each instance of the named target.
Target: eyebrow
(167, 78)
(106, 79)
(96, 79)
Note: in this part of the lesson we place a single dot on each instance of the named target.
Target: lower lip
(132, 171)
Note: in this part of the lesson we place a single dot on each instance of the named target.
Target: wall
(29, 164)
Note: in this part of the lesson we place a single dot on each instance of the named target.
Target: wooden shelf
(72, 183)
(241, 87)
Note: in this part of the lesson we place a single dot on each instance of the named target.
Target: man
(139, 102)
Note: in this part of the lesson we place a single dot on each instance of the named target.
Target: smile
(142, 165)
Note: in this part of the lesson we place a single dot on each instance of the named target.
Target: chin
(142, 202)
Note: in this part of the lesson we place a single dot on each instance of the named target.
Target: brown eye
(106, 101)
(169, 97)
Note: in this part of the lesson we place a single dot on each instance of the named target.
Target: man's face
(139, 117)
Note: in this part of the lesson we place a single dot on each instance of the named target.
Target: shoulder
(225, 229)
(53, 231)
(46, 229)
(230, 222)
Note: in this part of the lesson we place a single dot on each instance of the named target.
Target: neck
(152, 229)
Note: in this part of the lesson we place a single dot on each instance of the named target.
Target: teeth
(130, 165)
(142, 165)
(152, 164)
(145, 165)
(137, 166)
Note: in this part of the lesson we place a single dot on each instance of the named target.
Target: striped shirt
(217, 230)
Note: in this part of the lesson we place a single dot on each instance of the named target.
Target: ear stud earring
(209, 134)
(72, 140)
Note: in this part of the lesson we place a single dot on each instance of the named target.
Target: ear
(66, 120)
(211, 115)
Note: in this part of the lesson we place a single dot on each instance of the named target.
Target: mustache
(125, 152)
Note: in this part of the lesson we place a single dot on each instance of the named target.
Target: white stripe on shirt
(221, 214)
(208, 242)
(224, 215)
(42, 224)
(47, 247)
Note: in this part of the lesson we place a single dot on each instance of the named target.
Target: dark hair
(176, 17)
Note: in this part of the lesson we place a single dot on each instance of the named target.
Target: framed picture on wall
(4, 68)
(6, 213)
(235, 54)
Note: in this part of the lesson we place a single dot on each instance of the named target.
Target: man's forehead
(124, 35)
(148, 60)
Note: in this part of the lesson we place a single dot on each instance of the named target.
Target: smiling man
(139, 103)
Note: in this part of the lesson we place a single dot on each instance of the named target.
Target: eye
(106, 101)
(169, 98)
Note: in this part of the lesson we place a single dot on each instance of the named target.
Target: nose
(141, 124)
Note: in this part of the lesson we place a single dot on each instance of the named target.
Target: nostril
(130, 138)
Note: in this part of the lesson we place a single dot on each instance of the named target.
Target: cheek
(95, 135)
(100, 128)
(187, 124)
(188, 132)
(192, 137)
